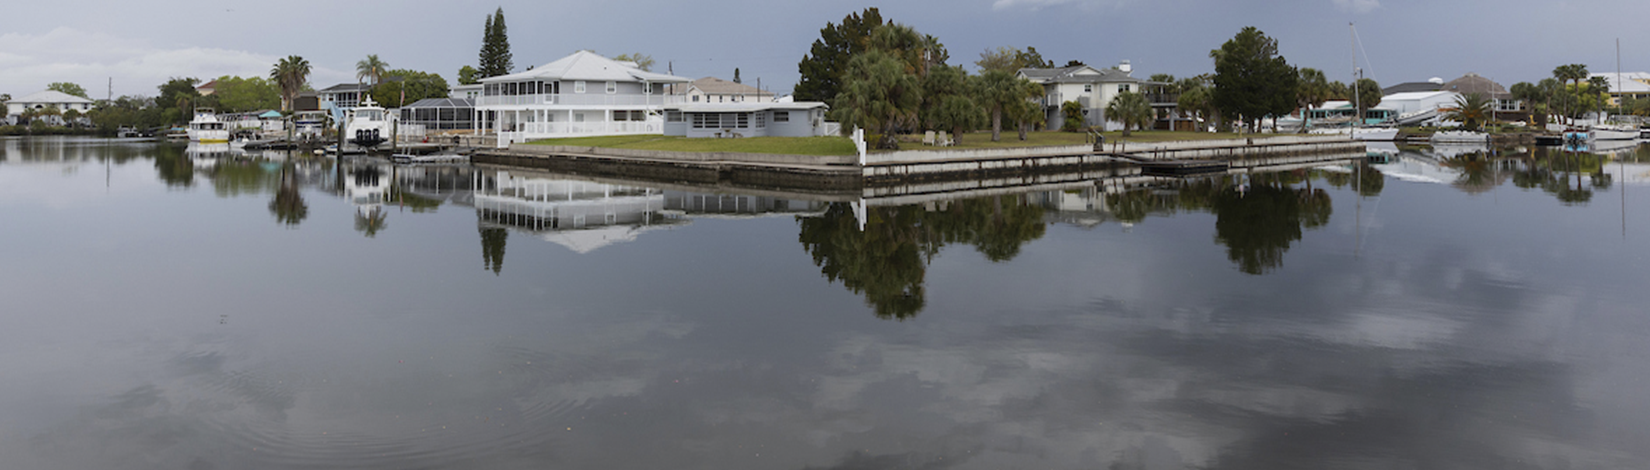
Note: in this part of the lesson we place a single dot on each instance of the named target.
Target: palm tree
(1470, 109)
(1131, 109)
(1313, 91)
(372, 68)
(290, 74)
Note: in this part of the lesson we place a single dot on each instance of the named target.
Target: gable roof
(1474, 83)
(1077, 74)
(1409, 87)
(345, 87)
(51, 96)
(717, 86)
(1635, 83)
(586, 65)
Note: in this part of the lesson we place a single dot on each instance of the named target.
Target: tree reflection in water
(288, 206)
(887, 261)
(173, 166)
(492, 248)
(1257, 218)
(1560, 173)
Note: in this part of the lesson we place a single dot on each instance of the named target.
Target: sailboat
(1615, 131)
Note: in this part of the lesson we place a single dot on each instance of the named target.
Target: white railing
(527, 131)
(594, 99)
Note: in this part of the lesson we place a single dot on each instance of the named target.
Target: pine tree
(495, 47)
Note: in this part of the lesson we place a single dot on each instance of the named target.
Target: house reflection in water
(580, 215)
(706, 205)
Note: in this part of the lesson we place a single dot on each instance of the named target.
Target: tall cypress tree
(495, 47)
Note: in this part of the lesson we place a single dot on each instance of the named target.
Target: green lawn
(843, 146)
(776, 145)
(982, 140)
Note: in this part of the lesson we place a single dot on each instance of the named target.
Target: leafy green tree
(645, 62)
(290, 74)
(495, 47)
(1369, 95)
(416, 85)
(67, 88)
(1471, 110)
(1002, 93)
(1025, 112)
(1313, 90)
(1131, 109)
(1251, 80)
(880, 95)
(1534, 98)
(371, 69)
(1011, 59)
(1072, 112)
(236, 94)
(822, 69)
(467, 75)
(946, 103)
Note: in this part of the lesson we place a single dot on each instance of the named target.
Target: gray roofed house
(1090, 87)
(343, 95)
(46, 99)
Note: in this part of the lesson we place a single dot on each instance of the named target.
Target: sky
(130, 48)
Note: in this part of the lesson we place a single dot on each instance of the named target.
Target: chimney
(1125, 67)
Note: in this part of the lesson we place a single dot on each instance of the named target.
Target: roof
(1415, 95)
(586, 65)
(211, 84)
(1631, 82)
(442, 103)
(346, 87)
(51, 96)
(744, 107)
(270, 114)
(717, 86)
(1408, 87)
(1077, 74)
(1473, 83)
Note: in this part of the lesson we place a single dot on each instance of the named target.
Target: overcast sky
(140, 44)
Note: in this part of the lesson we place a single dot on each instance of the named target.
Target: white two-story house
(1090, 87)
(583, 94)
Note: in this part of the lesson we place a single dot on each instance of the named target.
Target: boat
(1460, 137)
(1613, 132)
(1377, 134)
(206, 128)
(368, 125)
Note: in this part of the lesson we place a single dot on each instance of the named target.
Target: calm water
(167, 310)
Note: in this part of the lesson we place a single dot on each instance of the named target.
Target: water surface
(1446, 309)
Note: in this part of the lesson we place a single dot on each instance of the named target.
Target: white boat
(1613, 132)
(1460, 137)
(206, 128)
(1377, 134)
(368, 125)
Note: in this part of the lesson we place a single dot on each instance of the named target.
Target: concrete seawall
(832, 173)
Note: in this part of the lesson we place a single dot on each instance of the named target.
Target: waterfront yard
(843, 146)
(774, 145)
(982, 140)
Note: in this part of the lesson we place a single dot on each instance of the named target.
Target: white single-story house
(1412, 103)
(749, 119)
(716, 90)
(583, 94)
(47, 99)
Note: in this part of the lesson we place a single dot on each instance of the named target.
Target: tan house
(716, 90)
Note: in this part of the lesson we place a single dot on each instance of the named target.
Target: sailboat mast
(1357, 103)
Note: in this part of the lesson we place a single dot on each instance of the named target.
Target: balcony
(589, 99)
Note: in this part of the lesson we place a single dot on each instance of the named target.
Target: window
(744, 120)
(1088, 88)
(696, 98)
(578, 86)
(612, 87)
(781, 116)
(705, 121)
(761, 120)
(1123, 88)
(673, 116)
